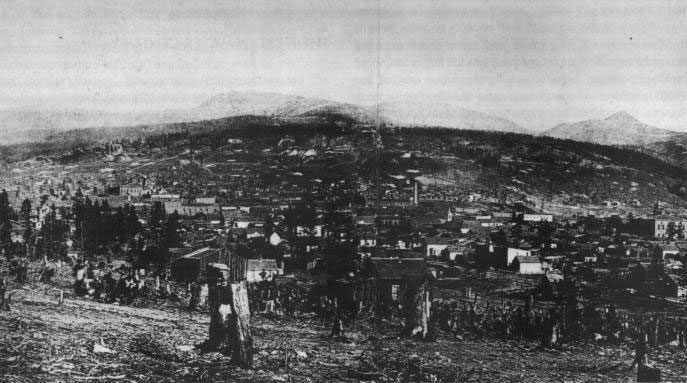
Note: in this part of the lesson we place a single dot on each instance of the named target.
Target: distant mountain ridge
(26, 125)
(29, 125)
(444, 115)
(620, 128)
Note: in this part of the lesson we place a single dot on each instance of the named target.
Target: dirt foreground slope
(83, 341)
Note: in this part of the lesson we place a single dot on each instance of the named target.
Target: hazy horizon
(536, 63)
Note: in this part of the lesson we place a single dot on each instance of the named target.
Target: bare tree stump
(203, 293)
(4, 296)
(337, 329)
(230, 323)
(647, 373)
(60, 300)
(417, 306)
(195, 295)
(240, 337)
(6, 300)
(199, 296)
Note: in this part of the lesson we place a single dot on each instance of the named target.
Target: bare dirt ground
(86, 341)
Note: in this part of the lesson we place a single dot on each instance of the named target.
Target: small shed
(386, 281)
(192, 266)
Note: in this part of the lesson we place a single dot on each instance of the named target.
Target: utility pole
(82, 244)
(377, 134)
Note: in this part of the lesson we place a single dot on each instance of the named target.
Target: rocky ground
(82, 340)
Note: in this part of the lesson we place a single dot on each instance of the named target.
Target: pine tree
(222, 221)
(670, 230)
(119, 225)
(680, 230)
(269, 225)
(133, 225)
(5, 215)
(156, 216)
(172, 238)
(53, 234)
(25, 211)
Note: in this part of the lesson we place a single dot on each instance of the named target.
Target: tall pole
(82, 244)
(377, 137)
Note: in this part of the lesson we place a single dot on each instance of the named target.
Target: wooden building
(193, 266)
(384, 282)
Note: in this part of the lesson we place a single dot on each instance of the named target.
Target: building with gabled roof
(528, 265)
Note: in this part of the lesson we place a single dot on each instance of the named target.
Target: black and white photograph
(343, 191)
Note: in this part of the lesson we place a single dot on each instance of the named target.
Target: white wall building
(513, 252)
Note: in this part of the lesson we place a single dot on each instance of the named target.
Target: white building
(529, 265)
(538, 217)
(513, 252)
(303, 231)
(435, 246)
(368, 241)
(134, 191)
(661, 226)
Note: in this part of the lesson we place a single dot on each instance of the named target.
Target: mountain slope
(262, 104)
(24, 125)
(444, 115)
(618, 129)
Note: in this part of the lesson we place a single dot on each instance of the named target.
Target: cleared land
(41, 341)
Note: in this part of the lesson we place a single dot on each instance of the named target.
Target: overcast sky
(537, 63)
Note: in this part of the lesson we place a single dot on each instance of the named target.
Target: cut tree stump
(230, 323)
(4, 296)
(195, 292)
(417, 306)
(199, 296)
(647, 373)
(241, 340)
(337, 329)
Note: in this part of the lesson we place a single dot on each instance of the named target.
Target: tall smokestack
(415, 195)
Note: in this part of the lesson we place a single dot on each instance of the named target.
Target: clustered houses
(281, 208)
